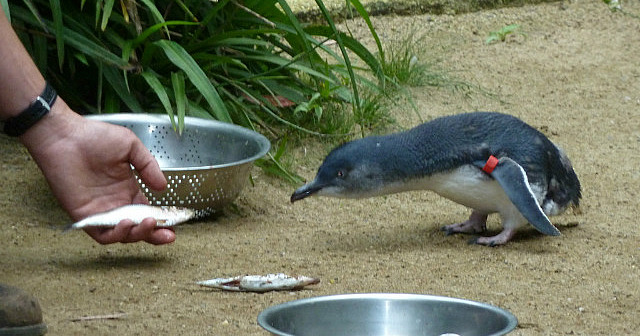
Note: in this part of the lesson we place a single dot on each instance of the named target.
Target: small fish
(260, 283)
(164, 215)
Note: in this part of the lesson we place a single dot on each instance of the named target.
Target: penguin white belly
(470, 187)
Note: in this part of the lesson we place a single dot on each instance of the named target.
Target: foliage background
(251, 62)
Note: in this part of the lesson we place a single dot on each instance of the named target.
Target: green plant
(233, 56)
(251, 62)
(400, 61)
(277, 166)
(615, 6)
(502, 34)
(406, 63)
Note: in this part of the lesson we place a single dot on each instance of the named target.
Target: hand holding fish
(88, 167)
(86, 163)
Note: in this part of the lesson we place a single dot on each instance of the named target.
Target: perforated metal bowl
(206, 167)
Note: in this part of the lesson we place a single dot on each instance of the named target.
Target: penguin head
(347, 172)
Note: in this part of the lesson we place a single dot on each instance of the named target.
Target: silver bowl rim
(263, 142)
(512, 321)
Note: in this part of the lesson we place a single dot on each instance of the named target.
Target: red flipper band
(491, 164)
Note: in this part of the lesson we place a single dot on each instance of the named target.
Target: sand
(575, 76)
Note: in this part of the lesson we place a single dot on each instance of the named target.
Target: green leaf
(185, 8)
(98, 11)
(106, 13)
(40, 52)
(56, 11)
(293, 20)
(111, 102)
(77, 41)
(100, 86)
(94, 50)
(288, 63)
(354, 45)
(149, 31)
(155, 13)
(130, 45)
(181, 58)
(152, 79)
(34, 11)
(363, 13)
(177, 81)
(345, 55)
(197, 111)
(118, 83)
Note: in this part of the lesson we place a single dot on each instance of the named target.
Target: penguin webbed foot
(497, 240)
(476, 223)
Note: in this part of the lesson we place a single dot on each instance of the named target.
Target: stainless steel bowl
(386, 314)
(206, 167)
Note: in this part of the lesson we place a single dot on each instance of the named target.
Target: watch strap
(18, 125)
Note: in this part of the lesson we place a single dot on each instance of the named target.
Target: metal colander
(206, 167)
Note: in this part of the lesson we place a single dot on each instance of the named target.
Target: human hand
(88, 167)
(128, 232)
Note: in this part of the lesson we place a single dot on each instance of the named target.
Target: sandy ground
(576, 77)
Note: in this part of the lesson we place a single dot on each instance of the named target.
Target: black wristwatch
(18, 125)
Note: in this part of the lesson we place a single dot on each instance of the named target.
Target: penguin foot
(499, 239)
(476, 223)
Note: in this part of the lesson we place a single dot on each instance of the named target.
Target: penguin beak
(305, 191)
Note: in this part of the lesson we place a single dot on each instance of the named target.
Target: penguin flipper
(513, 180)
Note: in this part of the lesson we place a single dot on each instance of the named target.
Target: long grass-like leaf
(100, 86)
(186, 9)
(106, 13)
(58, 25)
(363, 13)
(283, 61)
(77, 41)
(94, 50)
(34, 11)
(214, 40)
(181, 58)
(354, 45)
(293, 20)
(155, 13)
(98, 11)
(347, 61)
(149, 31)
(266, 109)
(177, 81)
(119, 85)
(111, 102)
(130, 45)
(40, 52)
(152, 79)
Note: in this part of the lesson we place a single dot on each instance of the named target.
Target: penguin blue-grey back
(533, 178)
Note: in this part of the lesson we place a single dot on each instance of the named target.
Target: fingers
(128, 232)
(148, 232)
(146, 165)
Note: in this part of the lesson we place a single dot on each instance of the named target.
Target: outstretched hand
(88, 167)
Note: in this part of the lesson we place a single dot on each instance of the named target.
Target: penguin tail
(564, 188)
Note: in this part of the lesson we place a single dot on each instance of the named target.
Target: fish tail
(69, 227)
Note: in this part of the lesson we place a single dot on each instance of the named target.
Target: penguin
(487, 161)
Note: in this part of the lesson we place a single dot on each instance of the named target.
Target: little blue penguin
(487, 161)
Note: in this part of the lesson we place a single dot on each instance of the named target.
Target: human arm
(86, 163)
